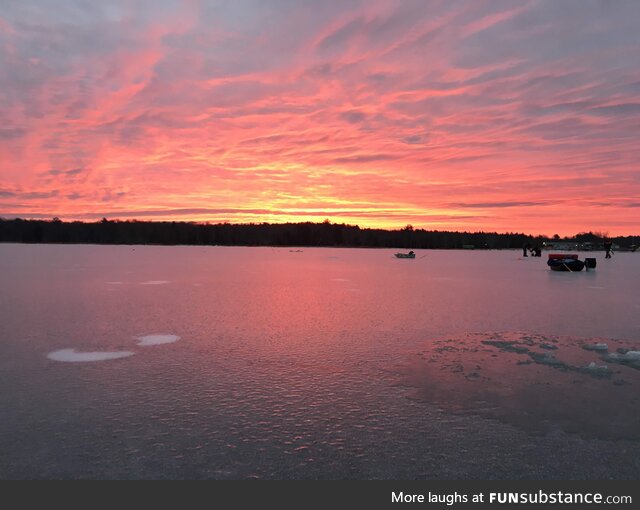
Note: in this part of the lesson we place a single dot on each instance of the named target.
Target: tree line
(266, 234)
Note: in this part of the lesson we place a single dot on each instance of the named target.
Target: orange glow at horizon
(381, 114)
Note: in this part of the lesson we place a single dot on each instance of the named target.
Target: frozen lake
(231, 362)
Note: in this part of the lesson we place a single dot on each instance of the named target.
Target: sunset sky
(498, 116)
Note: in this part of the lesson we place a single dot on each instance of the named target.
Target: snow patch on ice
(598, 370)
(155, 282)
(627, 356)
(596, 347)
(73, 356)
(157, 339)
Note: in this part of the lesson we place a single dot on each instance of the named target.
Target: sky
(446, 115)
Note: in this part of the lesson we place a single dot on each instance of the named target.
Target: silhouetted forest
(265, 234)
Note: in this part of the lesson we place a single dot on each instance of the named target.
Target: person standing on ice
(607, 248)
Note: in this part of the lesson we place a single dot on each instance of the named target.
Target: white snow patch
(595, 347)
(597, 369)
(73, 356)
(627, 356)
(157, 339)
(155, 282)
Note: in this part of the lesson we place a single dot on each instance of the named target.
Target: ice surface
(157, 339)
(285, 374)
(73, 356)
(155, 282)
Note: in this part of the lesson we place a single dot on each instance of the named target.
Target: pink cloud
(444, 115)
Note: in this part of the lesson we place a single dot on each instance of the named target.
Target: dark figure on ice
(524, 249)
(536, 251)
(607, 249)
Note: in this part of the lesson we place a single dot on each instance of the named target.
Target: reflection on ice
(73, 356)
(157, 339)
(286, 373)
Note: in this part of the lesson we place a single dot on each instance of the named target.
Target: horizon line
(51, 219)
